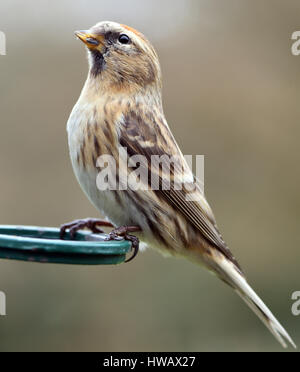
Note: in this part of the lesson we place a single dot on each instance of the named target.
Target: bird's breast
(92, 135)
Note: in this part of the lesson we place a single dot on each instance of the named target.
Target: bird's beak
(92, 41)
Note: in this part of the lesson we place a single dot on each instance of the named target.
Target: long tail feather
(232, 276)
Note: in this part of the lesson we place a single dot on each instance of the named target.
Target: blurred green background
(231, 92)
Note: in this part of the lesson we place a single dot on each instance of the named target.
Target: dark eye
(124, 39)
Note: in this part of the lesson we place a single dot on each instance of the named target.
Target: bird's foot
(124, 232)
(89, 223)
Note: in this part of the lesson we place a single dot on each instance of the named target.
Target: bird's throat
(97, 62)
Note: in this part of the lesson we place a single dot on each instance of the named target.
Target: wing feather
(141, 135)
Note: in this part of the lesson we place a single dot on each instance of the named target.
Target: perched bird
(121, 107)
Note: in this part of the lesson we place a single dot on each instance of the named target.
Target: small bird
(121, 107)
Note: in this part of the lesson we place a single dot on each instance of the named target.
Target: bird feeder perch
(41, 244)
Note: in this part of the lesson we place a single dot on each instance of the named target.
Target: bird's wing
(141, 134)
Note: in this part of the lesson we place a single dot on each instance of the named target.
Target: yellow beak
(90, 40)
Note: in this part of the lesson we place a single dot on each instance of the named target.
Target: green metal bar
(42, 244)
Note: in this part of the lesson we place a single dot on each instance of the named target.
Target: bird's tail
(232, 276)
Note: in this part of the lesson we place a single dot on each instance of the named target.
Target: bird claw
(123, 233)
(89, 223)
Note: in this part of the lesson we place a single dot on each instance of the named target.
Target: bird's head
(121, 56)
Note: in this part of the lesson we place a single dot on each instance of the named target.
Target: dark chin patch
(97, 63)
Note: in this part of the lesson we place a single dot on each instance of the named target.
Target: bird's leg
(89, 223)
(124, 232)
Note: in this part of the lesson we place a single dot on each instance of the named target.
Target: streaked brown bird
(121, 106)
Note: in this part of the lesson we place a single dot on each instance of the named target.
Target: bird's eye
(124, 39)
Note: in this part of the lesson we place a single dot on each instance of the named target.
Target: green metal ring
(42, 244)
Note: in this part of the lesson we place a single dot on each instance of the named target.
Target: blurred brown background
(231, 92)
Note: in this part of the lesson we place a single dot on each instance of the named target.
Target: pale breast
(85, 130)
